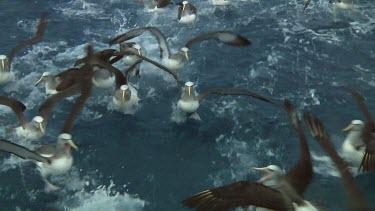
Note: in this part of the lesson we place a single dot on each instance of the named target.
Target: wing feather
(226, 37)
(232, 91)
(21, 151)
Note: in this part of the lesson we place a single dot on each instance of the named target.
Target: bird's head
(45, 75)
(185, 51)
(39, 121)
(355, 125)
(271, 172)
(4, 62)
(66, 140)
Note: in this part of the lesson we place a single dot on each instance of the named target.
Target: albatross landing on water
(356, 199)
(6, 74)
(368, 135)
(51, 159)
(175, 61)
(189, 102)
(275, 190)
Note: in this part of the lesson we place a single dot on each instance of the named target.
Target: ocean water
(151, 160)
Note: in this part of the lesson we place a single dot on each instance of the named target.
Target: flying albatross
(356, 199)
(33, 129)
(6, 74)
(187, 13)
(275, 190)
(175, 61)
(368, 135)
(189, 102)
(51, 159)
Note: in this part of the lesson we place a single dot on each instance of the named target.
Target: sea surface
(152, 160)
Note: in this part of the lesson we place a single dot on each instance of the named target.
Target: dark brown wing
(226, 37)
(192, 8)
(17, 107)
(120, 78)
(357, 201)
(38, 36)
(306, 5)
(162, 3)
(21, 151)
(46, 108)
(232, 91)
(239, 194)
(174, 74)
(368, 135)
(132, 68)
(128, 35)
(300, 176)
(76, 109)
(104, 55)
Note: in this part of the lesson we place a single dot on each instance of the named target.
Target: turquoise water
(150, 162)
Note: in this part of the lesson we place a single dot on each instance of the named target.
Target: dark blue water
(148, 161)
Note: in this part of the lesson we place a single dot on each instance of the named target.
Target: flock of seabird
(276, 190)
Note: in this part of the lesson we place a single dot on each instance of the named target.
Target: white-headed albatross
(275, 190)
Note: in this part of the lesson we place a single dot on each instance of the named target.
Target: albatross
(6, 74)
(51, 159)
(190, 101)
(175, 61)
(275, 190)
(353, 147)
(356, 199)
(368, 134)
(187, 12)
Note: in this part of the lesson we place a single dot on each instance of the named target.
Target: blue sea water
(150, 162)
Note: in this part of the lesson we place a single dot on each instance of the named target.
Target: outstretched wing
(239, 194)
(226, 37)
(357, 201)
(21, 151)
(38, 36)
(134, 67)
(300, 176)
(174, 74)
(17, 107)
(232, 91)
(163, 45)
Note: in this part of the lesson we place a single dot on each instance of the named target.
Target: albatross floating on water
(275, 190)
(187, 13)
(6, 74)
(175, 61)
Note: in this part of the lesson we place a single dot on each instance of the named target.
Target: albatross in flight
(51, 159)
(356, 199)
(6, 74)
(275, 190)
(368, 134)
(189, 102)
(175, 61)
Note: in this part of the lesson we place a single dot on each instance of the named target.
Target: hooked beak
(41, 128)
(183, 7)
(3, 63)
(123, 96)
(139, 52)
(73, 144)
(39, 81)
(189, 90)
(348, 128)
(186, 55)
(264, 169)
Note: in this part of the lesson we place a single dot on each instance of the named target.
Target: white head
(3, 60)
(271, 174)
(189, 85)
(123, 89)
(43, 78)
(138, 48)
(184, 3)
(185, 51)
(39, 120)
(355, 125)
(66, 140)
